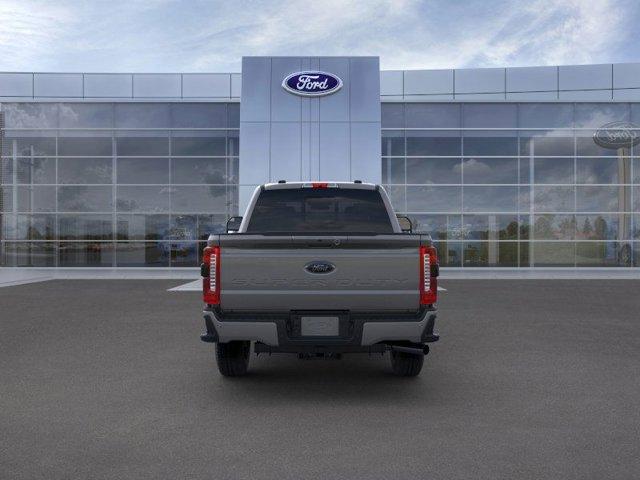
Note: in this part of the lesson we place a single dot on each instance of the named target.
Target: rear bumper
(364, 329)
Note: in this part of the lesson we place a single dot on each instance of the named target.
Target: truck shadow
(287, 379)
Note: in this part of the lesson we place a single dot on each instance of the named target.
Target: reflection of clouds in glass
(27, 115)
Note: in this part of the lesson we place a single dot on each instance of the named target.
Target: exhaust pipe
(414, 349)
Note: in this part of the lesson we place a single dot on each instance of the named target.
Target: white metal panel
(157, 85)
(285, 106)
(254, 152)
(629, 94)
(236, 85)
(203, 85)
(626, 75)
(256, 90)
(585, 77)
(532, 96)
(532, 79)
(586, 95)
(57, 85)
(426, 82)
(365, 153)
(108, 85)
(285, 151)
(16, 84)
(335, 107)
(479, 80)
(364, 84)
(334, 151)
(391, 82)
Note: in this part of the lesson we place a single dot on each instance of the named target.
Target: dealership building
(527, 167)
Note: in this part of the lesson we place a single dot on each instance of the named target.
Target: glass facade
(516, 184)
(130, 184)
(115, 184)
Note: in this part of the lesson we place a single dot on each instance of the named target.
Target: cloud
(166, 35)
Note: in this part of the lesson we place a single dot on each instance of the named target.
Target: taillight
(429, 271)
(211, 276)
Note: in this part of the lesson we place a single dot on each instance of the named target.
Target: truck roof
(320, 184)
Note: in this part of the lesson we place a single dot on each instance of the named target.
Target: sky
(212, 36)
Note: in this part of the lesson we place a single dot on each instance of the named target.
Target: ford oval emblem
(319, 266)
(312, 83)
(616, 135)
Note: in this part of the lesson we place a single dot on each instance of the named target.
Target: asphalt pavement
(531, 379)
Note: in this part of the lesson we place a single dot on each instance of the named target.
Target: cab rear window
(330, 210)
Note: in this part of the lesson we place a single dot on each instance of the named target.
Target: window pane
(37, 254)
(93, 115)
(440, 227)
(554, 199)
(603, 227)
(545, 115)
(85, 170)
(141, 254)
(85, 227)
(142, 227)
(6, 170)
(184, 254)
(397, 195)
(491, 254)
(143, 199)
(490, 227)
(91, 146)
(85, 254)
(37, 199)
(434, 170)
(198, 226)
(585, 145)
(553, 170)
(85, 199)
(199, 115)
(213, 144)
(199, 199)
(553, 254)
(393, 170)
(30, 115)
(432, 115)
(603, 170)
(488, 115)
(636, 170)
(449, 253)
(36, 227)
(598, 114)
(433, 143)
(36, 170)
(554, 227)
(546, 144)
(233, 171)
(142, 170)
(490, 170)
(199, 170)
(392, 143)
(233, 115)
(392, 115)
(490, 199)
(143, 146)
(434, 199)
(142, 115)
(6, 199)
(489, 143)
(32, 146)
(603, 254)
(603, 199)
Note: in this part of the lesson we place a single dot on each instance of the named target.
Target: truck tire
(233, 358)
(406, 364)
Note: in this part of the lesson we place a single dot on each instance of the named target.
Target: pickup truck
(319, 269)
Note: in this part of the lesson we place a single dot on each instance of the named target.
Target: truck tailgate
(265, 273)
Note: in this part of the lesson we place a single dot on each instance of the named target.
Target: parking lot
(531, 379)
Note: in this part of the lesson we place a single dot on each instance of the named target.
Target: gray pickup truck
(319, 269)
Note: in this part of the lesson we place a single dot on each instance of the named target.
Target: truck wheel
(233, 358)
(406, 364)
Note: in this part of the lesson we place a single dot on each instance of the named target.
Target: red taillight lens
(320, 185)
(428, 275)
(211, 283)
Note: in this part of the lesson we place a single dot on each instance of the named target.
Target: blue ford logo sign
(312, 83)
(616, 135)
(319, 266)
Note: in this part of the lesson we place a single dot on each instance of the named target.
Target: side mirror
(233, 224)
(405, 223)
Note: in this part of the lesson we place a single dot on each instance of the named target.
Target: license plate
(319, 326)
